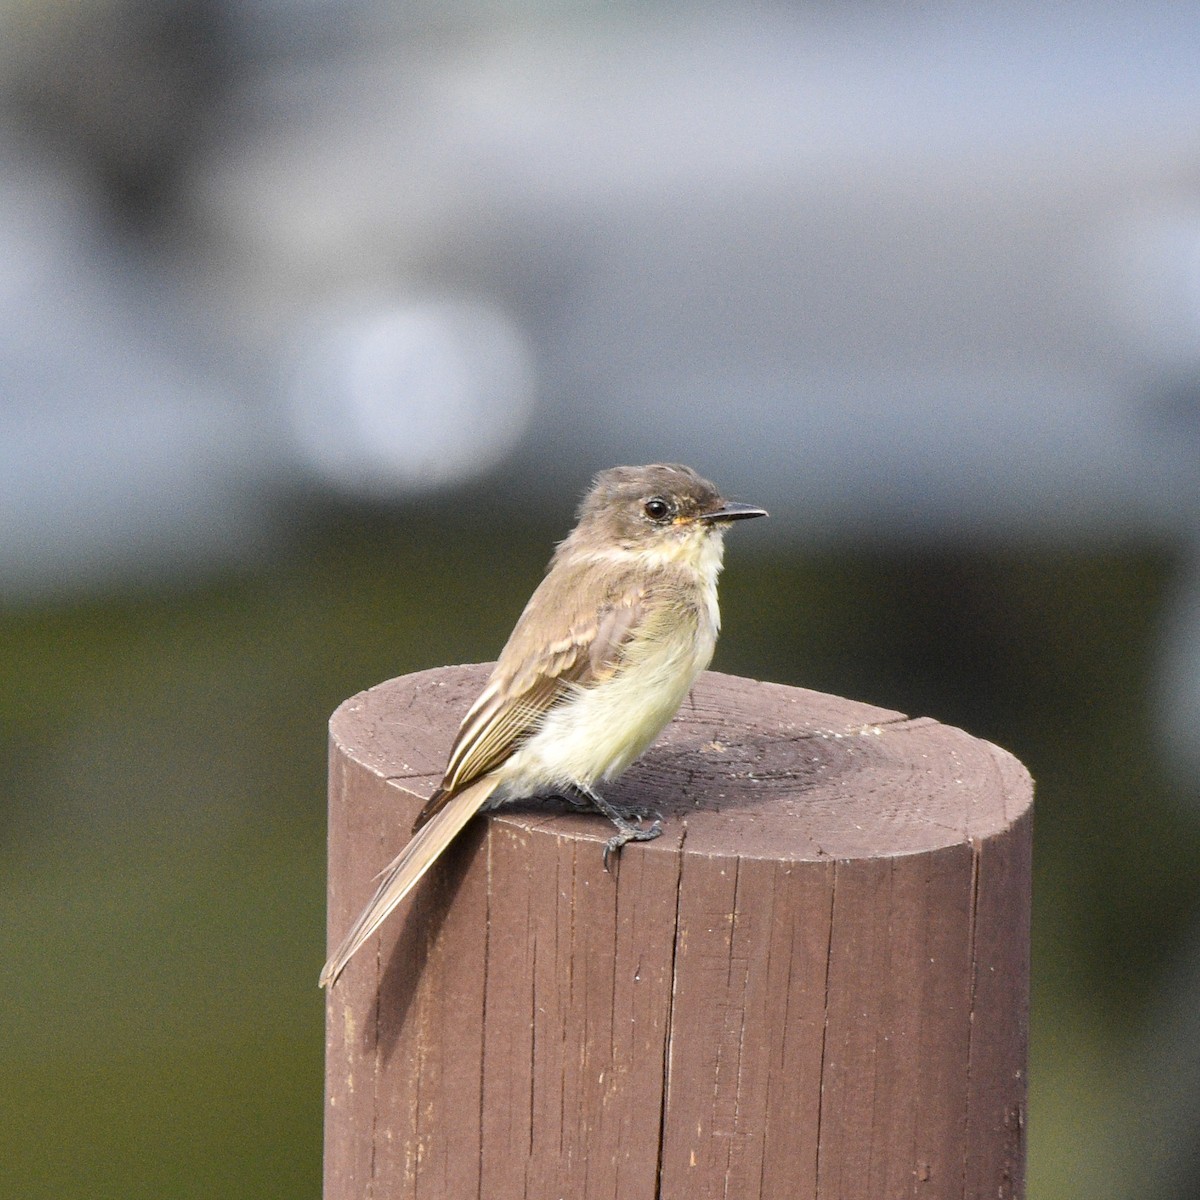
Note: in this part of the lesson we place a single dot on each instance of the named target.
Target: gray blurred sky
(928, 273)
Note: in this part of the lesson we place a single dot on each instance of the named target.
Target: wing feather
(530, 679)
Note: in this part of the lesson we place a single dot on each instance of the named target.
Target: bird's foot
(627, 818)
(630, 833)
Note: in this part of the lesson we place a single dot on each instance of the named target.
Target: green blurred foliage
(162, 832)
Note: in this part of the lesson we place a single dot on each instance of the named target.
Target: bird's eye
(656, 508)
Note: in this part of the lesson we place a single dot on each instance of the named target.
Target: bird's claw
(627, 832)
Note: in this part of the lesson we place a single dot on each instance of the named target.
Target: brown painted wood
(814, 984)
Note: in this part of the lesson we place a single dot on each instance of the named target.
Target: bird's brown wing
(530, 679)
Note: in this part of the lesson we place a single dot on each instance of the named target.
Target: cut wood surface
(814, 984)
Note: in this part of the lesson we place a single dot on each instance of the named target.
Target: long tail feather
(402, 874)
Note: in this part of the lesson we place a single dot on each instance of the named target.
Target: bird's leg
(575, 798)
(581, 797)
(623, 817)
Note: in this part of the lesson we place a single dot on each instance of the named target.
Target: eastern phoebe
(600, 660)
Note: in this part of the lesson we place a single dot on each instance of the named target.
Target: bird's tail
(400, 876)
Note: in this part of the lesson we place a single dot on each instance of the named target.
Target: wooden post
(814, 984)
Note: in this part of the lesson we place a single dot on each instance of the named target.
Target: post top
(746, 769)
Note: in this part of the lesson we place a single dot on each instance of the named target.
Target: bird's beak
(733, 512)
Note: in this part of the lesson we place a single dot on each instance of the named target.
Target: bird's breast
(600, 730)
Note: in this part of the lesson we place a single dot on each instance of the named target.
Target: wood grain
(814, 984)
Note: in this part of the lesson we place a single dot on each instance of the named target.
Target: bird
(598, 663)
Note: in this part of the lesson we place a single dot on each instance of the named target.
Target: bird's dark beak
(734, 512)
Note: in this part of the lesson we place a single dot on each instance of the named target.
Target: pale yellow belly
(599, 732)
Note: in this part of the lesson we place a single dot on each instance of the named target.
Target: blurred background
(316, 318)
